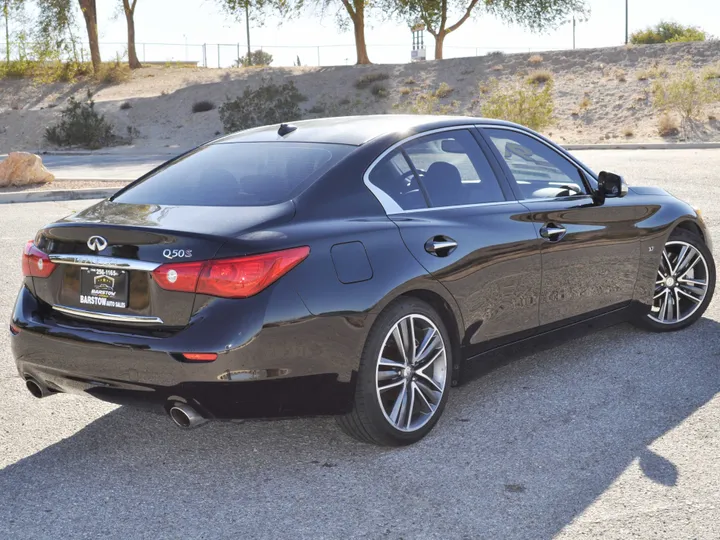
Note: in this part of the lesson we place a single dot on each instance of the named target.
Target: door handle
(553, 232)
(440, 246)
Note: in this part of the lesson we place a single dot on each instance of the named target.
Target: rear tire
(684, 284)
(399, 400)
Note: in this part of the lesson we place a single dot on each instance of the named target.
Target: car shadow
(519, 453)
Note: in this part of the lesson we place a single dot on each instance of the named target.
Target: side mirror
(611, 185)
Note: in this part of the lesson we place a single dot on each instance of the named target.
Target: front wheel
(684, 284)
(404, 376)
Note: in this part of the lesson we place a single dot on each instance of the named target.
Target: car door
(590, 252)
(460, 222)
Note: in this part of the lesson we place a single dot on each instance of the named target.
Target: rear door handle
(553, 232)
(440, 246)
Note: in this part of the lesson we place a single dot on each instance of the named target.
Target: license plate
(104, 287)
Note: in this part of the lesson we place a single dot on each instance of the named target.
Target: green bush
(668, 32)
(255, 58)
(368, 79)
(686, 93)
(270, 103)
(526, 103)
(81, 125)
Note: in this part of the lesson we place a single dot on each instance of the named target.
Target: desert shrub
(125, 106)
(45, 71)
(621, 75)
(668, 32)
(203, 106)
(498, 67)
(528, 104)
(583, 106)
(409, 80)
(429, 103)
(535, 59)
(255, 58)
(628, 132)
(443, 91)
(404, 91)
(711, 72)
(540, 76)
(495, 54)
(270, 103)
(367, 80)
(114, 72)
(81, 125)
(379, 91)
(655, 71)
(685, 93)
(667, 126)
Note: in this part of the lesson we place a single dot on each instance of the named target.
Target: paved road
(614, 435)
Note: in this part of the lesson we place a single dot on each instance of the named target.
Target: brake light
(238, 277)
(36, 263)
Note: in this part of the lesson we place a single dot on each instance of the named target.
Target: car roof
(353, 130)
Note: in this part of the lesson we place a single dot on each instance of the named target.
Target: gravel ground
(615, 435)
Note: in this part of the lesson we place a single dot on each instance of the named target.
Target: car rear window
(237, 174)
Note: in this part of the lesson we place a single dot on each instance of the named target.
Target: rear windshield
(237, 174)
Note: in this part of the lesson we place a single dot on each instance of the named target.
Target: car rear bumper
(304, 366)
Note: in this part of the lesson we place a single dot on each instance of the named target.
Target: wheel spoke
(428, 381)
(412, 341)
(385, 362)
(430, 335)
(397, 407)
(658, 295)
(424, 365)
(430, 406)
(696, 282)
(388, 375)
(690, 296)
(429, 394)
(391, 385)
(681, 259)
(663, 306)
(410, 391)
(397, 336)
(676, 301)
(668, 264)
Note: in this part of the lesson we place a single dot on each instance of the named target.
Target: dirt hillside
(601, 95)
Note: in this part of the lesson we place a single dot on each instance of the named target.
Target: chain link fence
(225, 55)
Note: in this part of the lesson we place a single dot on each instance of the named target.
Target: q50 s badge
(177, 253)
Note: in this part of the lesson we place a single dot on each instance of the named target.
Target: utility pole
(627, 34)
(247, 28)
(573, 32)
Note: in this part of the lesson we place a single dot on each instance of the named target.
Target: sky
(315, 37)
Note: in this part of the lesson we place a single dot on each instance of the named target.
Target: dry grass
(656, 71)
(367, 80)
(499, 67)
(621, 75)
(668, 126)
(628, 132)
(443, 91)
(535, 59)
(404, 91)
(114, 73)
(409, 80)
(540, 76)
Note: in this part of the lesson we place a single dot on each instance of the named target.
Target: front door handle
(440, 246)
(553, 232)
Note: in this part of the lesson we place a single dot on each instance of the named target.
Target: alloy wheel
(681, 283)
(411, 373)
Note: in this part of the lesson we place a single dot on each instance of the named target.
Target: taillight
(239, 277)
(36, 263)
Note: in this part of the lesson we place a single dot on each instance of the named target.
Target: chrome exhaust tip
(35, 388)
(185, 416)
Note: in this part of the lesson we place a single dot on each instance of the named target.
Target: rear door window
(237, 174)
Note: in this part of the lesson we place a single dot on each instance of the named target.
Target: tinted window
(538, 170)
(453, 170)
(395, 177)
(237, 174)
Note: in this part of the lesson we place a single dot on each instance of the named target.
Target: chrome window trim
(104, 262)
(565, 154)
(473, 205)
(113, 317)
(387, 202)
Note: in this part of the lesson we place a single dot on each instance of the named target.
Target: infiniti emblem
(97, 243)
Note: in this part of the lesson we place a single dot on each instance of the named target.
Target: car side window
(453, 169)
(394, 176)
(538, 171)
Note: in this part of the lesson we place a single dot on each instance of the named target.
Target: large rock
(22, 169)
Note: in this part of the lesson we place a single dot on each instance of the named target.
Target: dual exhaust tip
(184, 416)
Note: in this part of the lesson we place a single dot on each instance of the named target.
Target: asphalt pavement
(614, 435)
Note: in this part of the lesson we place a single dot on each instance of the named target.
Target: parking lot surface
(614, 435)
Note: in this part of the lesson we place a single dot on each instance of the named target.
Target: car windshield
(237, 174)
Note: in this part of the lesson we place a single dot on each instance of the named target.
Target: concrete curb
(643, 146)
(56, 195)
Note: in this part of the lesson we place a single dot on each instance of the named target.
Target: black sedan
(356, 267)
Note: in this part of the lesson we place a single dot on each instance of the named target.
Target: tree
(129, 9)
(89, 11)
(667, 32)
(9, 8)
(537, 15)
